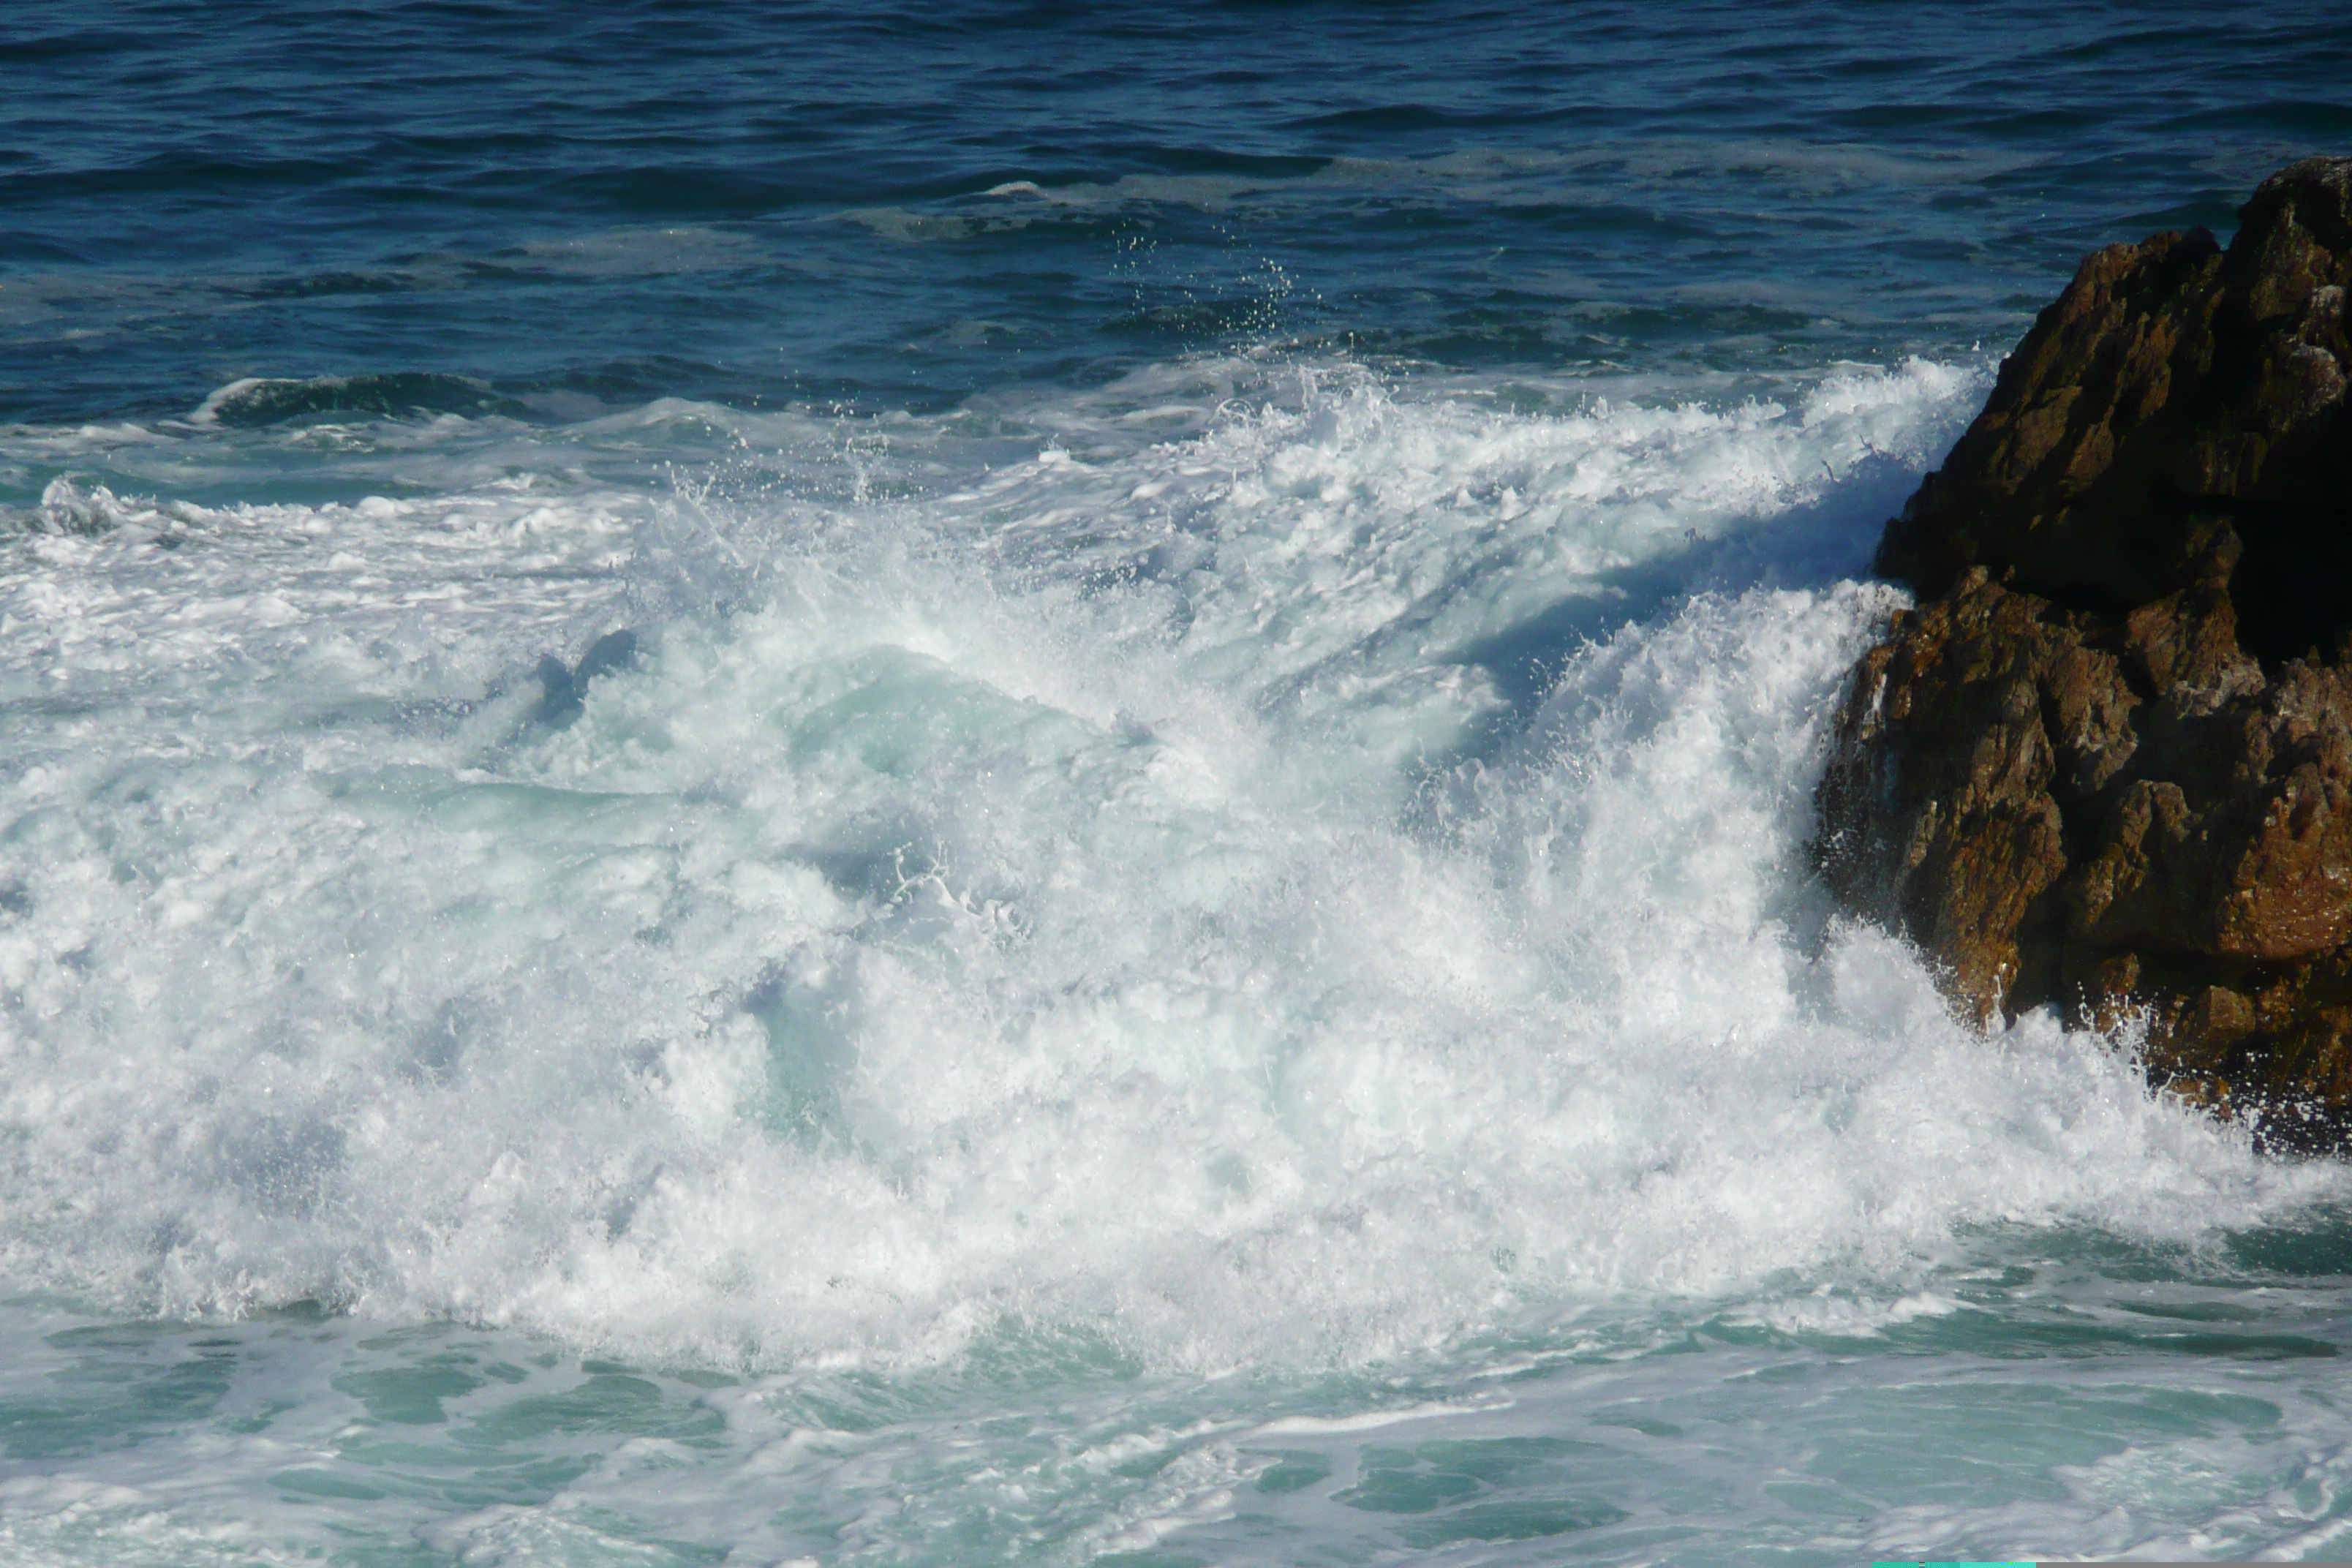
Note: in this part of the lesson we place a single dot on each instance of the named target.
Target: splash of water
(1326, 883)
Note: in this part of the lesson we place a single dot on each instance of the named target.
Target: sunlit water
(1170, 928)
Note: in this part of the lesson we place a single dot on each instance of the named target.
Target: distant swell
(258, 402)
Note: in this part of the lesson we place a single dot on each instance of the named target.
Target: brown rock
(2107, 764)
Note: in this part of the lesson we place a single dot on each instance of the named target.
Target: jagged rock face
(2106, 764)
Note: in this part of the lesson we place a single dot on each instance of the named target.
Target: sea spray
(1124, 892)
(863, 785)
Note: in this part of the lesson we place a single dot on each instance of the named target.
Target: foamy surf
(1111, 891)
(1250, 868)
(858, 786)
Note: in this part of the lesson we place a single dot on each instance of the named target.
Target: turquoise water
(1032, 786)
(2048, 1388)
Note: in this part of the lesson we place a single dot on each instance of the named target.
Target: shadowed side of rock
(2107, 764)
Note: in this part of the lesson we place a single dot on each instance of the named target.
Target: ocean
(994, 784)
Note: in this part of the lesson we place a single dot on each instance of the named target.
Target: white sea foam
(1371, 1420)
(1186, 880)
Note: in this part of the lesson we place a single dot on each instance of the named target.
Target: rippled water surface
(1031, 786)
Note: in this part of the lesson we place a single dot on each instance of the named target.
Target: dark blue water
(895, 206)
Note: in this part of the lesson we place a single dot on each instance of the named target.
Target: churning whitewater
(1115, 890)
(912, 786)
